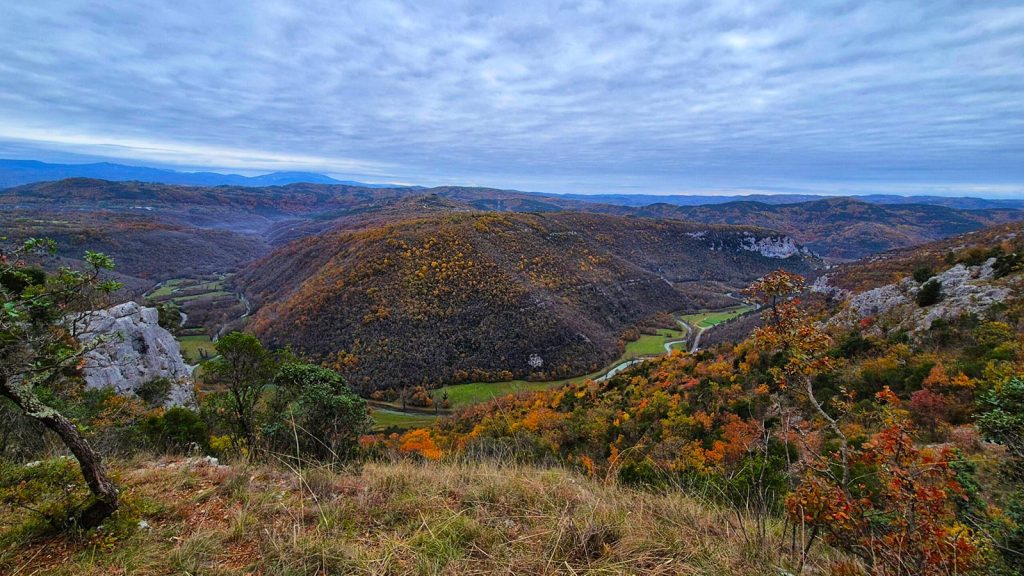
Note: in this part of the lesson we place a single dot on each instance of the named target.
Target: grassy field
(463, 395)
(167, 290)
(714, 317)
(186, 516)
(384, 419)
(193, 339)
(211, 294)
(651, 344)
(191, 345)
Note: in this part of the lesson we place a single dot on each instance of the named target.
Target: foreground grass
(390, 518)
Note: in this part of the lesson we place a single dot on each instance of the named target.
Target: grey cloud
(578, 96)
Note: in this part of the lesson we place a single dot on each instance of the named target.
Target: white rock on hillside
(821, 286)
(773, 246)
(965, 290)
(884, 298)
(135, 350)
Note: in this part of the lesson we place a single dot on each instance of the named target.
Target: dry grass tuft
(392, 518)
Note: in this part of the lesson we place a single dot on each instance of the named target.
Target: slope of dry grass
(389, 518)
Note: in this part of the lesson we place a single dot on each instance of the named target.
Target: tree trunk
(104, 491)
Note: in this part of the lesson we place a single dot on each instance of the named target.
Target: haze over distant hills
(843, 228)
(835, 228)
(638, 200)
(18, 172)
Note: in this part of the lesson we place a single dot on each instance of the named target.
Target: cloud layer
(580, 96)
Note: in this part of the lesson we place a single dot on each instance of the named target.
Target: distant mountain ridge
(843, 228)
(838, 228)
(640, 200)
(18, 172)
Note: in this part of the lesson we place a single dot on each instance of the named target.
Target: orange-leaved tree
(803, 347)
(900, 514)
(886, 501)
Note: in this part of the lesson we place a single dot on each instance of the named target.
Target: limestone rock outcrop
(965, 290)
(773, 246)
(134, 349)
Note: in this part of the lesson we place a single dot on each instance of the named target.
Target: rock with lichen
(964, 290)
(132, 349)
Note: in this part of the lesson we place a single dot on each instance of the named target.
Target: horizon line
(713, 192)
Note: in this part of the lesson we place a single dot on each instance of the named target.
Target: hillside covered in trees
(474, 296)
(833, 440)
(845, 228)
(149, 249)
(837, 228)
(894, 441)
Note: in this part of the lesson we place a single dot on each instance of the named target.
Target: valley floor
(191, 516)
(389, 415)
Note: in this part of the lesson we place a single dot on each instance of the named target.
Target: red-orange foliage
(928, 408)
(419, 442)
(419, 396)
(899, 516)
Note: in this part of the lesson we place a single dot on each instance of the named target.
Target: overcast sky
(583, 97)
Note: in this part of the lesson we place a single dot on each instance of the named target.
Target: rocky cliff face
(134, 350)
(777, 247)
(773, 246)
(965, 290)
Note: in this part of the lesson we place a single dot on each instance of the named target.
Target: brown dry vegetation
(145, 248)
(399, 517)
(845, 228)
(894, 265)
(470, 297)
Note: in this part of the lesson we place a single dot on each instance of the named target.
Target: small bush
(49, 489)
(923, 274)
(644, 473)
(176, 430)
(169, 317)
(1007, 264)
(977, 255)
(930, 293)
(155, 392)
(315, 408)
(419, 396)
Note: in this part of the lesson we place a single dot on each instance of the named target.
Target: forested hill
(972, 248)
(837, 228)
(845, 228)
(472, 296)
